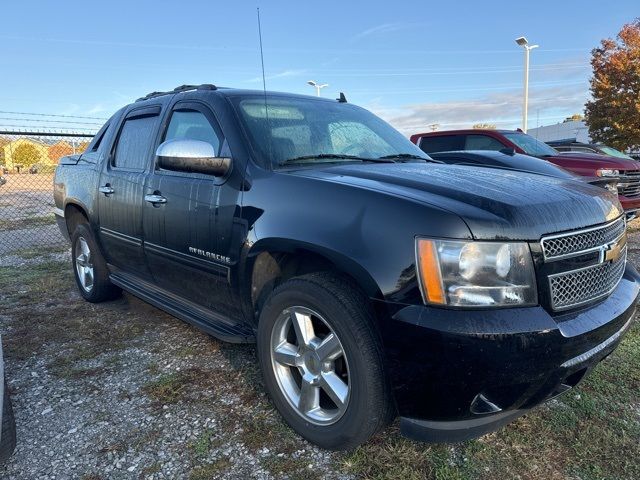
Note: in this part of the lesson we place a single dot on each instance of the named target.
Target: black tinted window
(441, 143)
(482, 142)
(134, 142)
(192, 125)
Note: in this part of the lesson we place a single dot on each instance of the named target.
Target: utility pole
(522, 41)
(317, 86)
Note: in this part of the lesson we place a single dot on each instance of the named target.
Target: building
(575, 130)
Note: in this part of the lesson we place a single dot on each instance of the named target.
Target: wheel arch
(74, 213)
(269, 262)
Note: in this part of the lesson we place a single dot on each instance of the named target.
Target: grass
(210, 470)
(27, 222)
(42, 251)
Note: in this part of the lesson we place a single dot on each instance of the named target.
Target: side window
(482, 142)
(441, 143)
(192, 125)
(132, 150)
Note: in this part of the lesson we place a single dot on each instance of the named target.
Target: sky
(414, 63)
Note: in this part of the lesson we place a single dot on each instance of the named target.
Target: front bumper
(458, 374)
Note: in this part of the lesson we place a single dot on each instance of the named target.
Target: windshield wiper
(409, 156)
(333, 156)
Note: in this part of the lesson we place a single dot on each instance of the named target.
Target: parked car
(572, 146)
(510, 160)
(590, 165)
(7, 421)
(375, 282)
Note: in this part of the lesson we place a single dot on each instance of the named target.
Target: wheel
(8, 435)
(90, 267)
(322, 361)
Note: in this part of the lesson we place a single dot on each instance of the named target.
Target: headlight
(607, 172)
(475, 274)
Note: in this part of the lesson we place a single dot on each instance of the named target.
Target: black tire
(347, 311)
(102, 289)
(8, 437)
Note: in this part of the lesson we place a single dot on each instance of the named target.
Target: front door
(181, 241)
(121, 191)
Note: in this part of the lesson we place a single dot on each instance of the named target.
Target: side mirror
(196, 156)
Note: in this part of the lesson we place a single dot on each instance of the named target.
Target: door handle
(106, 189)
(155, 199)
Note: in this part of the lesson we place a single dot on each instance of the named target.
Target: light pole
(317, 86)
(522, 41)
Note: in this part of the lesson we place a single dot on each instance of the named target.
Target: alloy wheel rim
(84, 265)
(310, 365)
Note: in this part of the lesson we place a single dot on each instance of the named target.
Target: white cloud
(378, 29)
(283, 74)
(503, 109)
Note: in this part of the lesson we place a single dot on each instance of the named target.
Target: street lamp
(317, 86)
(522, 41)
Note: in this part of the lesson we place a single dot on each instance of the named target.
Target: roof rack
(181, 88)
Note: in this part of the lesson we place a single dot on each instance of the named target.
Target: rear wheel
(322, 361)
(90, 267)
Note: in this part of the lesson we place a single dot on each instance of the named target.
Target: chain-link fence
(27, 164)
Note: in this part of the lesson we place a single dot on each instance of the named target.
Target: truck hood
(495, 204)
(598, 161)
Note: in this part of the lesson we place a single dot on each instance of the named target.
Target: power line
(52, 115)
(15, 119)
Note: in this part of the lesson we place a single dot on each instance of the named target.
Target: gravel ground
(123, 390)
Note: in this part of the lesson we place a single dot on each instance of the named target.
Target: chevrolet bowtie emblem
(612, 251)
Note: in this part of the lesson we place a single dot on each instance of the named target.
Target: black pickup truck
(375, 281)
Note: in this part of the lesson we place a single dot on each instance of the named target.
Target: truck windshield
(308, 131)
(613, 152)
(530, 145)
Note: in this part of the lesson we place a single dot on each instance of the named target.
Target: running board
(213, 323)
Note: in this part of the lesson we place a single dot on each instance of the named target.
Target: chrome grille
(576, 287)
(629, 184)
(571, 244)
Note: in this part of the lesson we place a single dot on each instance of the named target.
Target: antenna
(264, 83)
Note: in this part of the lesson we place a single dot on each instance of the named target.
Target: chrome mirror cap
(188, 155)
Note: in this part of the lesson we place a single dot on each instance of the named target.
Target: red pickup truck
(585, 164)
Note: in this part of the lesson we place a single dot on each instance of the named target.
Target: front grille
(629, 184)
(571, 244)
(576, 287)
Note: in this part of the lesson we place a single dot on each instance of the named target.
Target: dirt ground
(122, 390)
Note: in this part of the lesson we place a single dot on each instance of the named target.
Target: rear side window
(132, 150)
(442, 143)
(192, 125)
(482, 142)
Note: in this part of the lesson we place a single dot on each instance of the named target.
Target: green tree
(613, 116)
(26, 154)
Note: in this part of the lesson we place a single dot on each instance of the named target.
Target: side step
(209, 322)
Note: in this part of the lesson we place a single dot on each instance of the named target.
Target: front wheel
(322, 361)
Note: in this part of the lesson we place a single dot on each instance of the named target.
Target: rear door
(121, 190)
